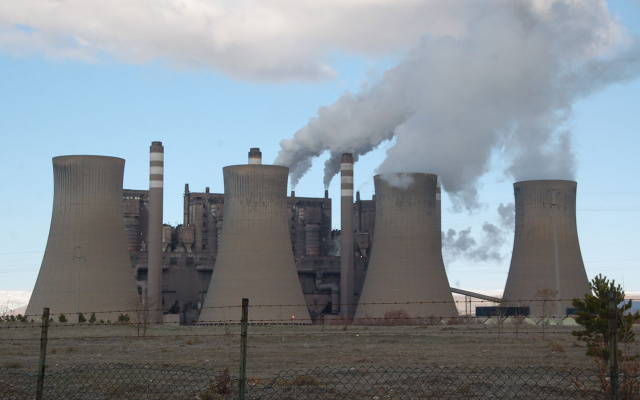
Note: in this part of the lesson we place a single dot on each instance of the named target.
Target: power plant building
(278, 250)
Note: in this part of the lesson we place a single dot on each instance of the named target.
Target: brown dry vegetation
(275, 348)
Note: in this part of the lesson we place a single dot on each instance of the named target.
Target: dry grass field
(275, 348)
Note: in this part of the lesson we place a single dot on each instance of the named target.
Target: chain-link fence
(162, 381)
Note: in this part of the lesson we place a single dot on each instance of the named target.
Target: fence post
(43, 352)
(243, 348)
(613, 345)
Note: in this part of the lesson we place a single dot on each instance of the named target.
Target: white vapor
(502, 85)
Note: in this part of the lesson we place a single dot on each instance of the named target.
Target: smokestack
(546, 265)
(406, 264)
(156, 183)
(255, 259)
(86, 266)
(347, 298)
(185, 219)
(255, 156)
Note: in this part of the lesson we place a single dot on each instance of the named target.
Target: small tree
(545, 295)
(62, 318)
(123, 319)
(593, 315)
(143, 311)
(81, 318)
(92, 318)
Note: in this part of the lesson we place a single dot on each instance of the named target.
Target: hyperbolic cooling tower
(86, 266)
(546, 264)
(255, 259)
(406, 263)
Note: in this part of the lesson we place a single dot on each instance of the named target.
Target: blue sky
(113, 86)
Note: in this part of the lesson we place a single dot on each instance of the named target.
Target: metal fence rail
(163, 381)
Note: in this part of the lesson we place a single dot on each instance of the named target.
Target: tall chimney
(255, 259)
(547, 270)
(406, 270)
(347, 298)
(86, 266)
(156, 183)
(255, 156)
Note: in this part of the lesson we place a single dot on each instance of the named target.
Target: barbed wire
(252, 305)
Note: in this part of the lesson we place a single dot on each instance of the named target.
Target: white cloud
(258, 40)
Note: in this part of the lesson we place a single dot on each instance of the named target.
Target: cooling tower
(546, 264)
(255, 259)
(154, 254)
(406, 263)
(347, 299)
(86, 266)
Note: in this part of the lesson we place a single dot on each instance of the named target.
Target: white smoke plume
(460, 244)
(502, 86)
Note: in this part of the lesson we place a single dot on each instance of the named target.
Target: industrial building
(191, 249)
(270, 238)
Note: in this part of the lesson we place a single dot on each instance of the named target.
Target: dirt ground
(275, 348)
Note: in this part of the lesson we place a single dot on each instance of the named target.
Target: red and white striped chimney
(347, 299)
(156, 183)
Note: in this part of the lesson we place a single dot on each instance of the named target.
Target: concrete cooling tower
(546, 264)
(255, 259)
(406, 263)
(86, 266)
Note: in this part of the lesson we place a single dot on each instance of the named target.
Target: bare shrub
(298, 380)
(556, 345)
(457, 321)
(221, 384)
(391, 318)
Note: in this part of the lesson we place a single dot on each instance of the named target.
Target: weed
(221, 384)
(13, 364)
(556, 346)
(305, 380)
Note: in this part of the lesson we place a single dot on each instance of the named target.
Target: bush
(123, 319)
(62, 318)
(92, 318)
(81, 318)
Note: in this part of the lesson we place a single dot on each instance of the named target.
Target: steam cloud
(457, 244)
(504, 87)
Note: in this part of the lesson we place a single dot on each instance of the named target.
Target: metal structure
(255, 259)
(347, 299)
(547, 270)
(86, 266)
(156, 183)
(406, 270)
